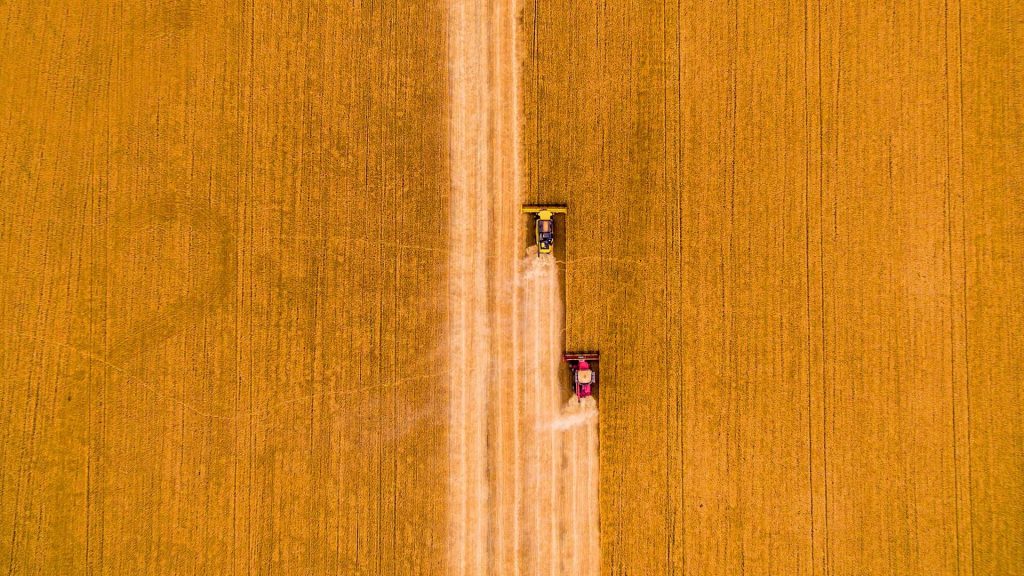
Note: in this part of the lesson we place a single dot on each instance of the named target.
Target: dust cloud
(559, 460)
(576, 413)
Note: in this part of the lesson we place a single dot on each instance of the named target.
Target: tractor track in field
(523, 472)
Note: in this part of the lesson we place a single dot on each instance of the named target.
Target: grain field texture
(795, 235)
(223, 237)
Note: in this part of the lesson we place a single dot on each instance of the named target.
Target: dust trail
(559, 439)
(541, 320)
(576, 413)
(578, 429)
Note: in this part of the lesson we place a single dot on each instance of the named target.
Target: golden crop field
(250, 251)
(223, 231)
(797, 237)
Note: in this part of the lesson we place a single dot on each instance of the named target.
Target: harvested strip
(522, 475)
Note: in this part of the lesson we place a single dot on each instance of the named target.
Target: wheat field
(796, 238)
(224, 227)
(241, 244)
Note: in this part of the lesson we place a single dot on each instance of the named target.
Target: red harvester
(584, 376)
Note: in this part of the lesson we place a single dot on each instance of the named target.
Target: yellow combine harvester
(544, 225)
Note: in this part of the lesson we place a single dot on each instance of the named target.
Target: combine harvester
(584, 376)
(544, 224)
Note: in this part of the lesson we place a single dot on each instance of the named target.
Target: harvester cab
(584, 374)
(544, 224)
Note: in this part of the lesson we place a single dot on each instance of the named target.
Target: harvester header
(552, 208)
(577, 356)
